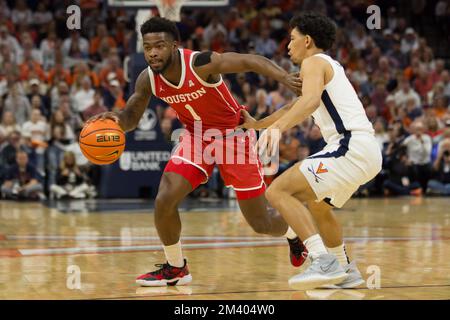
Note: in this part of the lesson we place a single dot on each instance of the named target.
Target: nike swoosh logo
(108, 155)
(326, 268)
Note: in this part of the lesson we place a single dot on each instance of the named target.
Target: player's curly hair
(159, 24)
(319, 27)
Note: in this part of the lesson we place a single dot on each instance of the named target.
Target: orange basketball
(102, 141)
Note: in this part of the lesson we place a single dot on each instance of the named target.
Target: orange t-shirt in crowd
(103, 76)
(25, 71)
(60, 74)
(95, 44)
(92, 75)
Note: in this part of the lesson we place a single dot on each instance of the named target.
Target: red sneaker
(298, 252)
(166, 275)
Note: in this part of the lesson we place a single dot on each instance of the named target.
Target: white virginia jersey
(340, 111)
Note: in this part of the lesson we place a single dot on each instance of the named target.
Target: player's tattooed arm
(211, 64)
(137, 104)
(129, 117)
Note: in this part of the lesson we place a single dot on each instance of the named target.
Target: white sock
(290, 234)
(174, 255)
(315, 245)
(340, 254)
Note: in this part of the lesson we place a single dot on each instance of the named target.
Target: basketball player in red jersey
(191, 83)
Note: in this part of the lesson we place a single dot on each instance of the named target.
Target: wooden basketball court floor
(52, 253)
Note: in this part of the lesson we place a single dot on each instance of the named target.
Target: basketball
(102, 142)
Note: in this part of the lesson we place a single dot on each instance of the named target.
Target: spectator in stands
(380, 132)
(438, 91)
(83, 98)
(57, 73)
(22, 180)
(18, 103)
(404, 93)
(101, 41)
(37, 132)
(262, 109)
(44, 104)
(96, 107)
(379, 96)
(440, 106)
(29, 50)
(70, 181)
(423, 83)
(30, 68)
(82, 71)
(58, 119)
(55, 152)
(264, 45)
(433, 129)
(401, 179)
(72, 120)
(445, 78)
(409, 42)
(440, 184)
(48, 46)
(75, 46)
(412, 109)
(42, 15)
(212, 29)
(21, 13)
(8, 153)
(9, 41)
(57, 93)
(8, 123)
(442, 145)
(112, 71)
(115, 96)
(418, 147)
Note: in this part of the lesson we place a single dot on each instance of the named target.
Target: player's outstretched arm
(129, 117)
(313, 75)
(209, 64)
(251, 123)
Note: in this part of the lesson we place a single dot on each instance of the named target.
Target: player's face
(159, 50)
(297, 46)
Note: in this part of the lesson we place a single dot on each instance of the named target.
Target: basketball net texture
(170, 9)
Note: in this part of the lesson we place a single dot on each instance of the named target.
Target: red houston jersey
(196, 100)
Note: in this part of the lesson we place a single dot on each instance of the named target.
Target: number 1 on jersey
(193, 113)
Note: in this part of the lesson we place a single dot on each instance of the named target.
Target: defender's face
(159, 50)
(297, 46)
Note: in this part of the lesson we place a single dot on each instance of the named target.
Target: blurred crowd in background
(53, 79)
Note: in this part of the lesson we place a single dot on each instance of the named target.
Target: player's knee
(164, 203)
(273, 194)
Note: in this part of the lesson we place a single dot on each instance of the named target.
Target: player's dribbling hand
(294, 83)
(103, 116)
(249, 121)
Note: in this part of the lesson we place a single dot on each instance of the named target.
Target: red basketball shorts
(194, 158)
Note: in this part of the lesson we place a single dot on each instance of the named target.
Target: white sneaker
(324, 270)
(353, 280)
